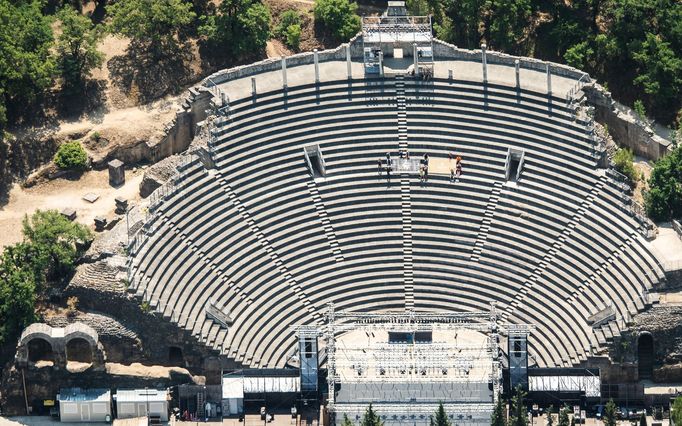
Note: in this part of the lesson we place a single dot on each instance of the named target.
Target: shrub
(289, 28)
(71, 156)
(623, 161)
(288, 18)
(638, 106)
(293, 36)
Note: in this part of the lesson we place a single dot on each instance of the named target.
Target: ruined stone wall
(664, 322)
(625, 126)
(99, 290)
(176, 137)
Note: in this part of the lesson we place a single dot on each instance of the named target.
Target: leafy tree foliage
(339, 17)
(623, 161)
(71, 156)
(26, 66)
(664, 198)
(240, 26)
(610, 413)
(642, 419)
(77, 47)
(155, 23)
(508, 21)
(371, 418)
(17, 294)
(47, 254)
(289, 28)
(55, 241)
(498, 418)
(519, 415)
(550, 417)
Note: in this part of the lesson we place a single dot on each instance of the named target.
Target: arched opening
(645, 355)
(40, 350)
(78, 350)
(175, 356)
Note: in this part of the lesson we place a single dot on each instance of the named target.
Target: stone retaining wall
(625, 126)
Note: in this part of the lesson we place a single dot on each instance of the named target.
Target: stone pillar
(284, 72)
(317, 66)
(381, 64)
(549, 80)
(348, 61)
(485, 62)
(518, 73)
(415, 56)
(117, 174)
(253, 86)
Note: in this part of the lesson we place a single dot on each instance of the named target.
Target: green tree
(579, 55)
(660, 71)
(676, 411)
(26, 66)
(508, 21)
(498, 417)
(371, 418)
(563, 416)
(609, 417)
(239, 26)
(47, 254)
(623, 161)
(17, 295)
(346, 421)
(519, 415)
(152, 23)
(71, 156)
(664, 199)
(550, 418)
(441, 417)
(339, 17)
(55, 243)
(77, 47)
(642, 419)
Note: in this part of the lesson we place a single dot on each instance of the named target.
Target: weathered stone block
(117, 176)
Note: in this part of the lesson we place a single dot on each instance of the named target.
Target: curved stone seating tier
(260, 239)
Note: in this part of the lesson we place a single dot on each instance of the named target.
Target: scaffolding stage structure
(394, 37)
(406, 363)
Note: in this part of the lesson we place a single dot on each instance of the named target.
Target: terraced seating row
(262, 240)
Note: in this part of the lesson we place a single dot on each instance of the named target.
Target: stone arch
(79, 349)
(81, 331)
(39, 349)
(645, 355)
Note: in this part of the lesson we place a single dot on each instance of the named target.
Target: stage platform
(441, 166)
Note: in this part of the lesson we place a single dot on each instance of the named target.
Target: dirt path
(61, 193)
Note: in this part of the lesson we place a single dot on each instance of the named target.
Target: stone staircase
(486, 221)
